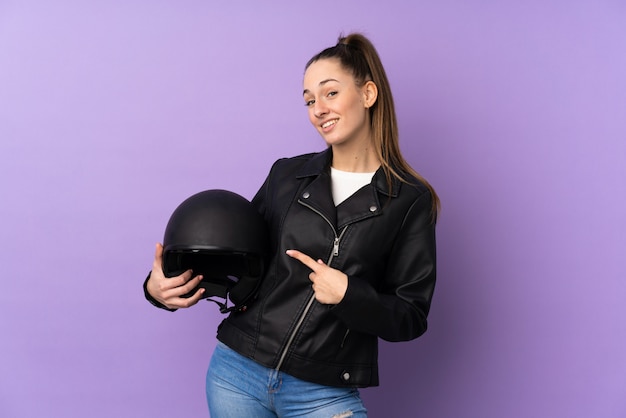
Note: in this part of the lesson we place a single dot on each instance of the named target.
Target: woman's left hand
(329, 284)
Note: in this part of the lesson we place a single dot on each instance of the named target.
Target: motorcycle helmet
(220, 235)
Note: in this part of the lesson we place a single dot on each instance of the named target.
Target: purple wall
(111, 113)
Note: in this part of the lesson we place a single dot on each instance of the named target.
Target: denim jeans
(238, 387)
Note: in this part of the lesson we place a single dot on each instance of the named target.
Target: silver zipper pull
(336, 247)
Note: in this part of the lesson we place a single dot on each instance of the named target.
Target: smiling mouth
(329, 123)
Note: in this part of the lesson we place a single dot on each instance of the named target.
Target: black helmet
(220, 235)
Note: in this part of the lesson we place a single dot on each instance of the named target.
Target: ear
(370, 94)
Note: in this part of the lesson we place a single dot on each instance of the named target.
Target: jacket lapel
(364, 203)
(316, 192)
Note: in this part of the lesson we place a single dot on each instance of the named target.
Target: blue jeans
(238, 387)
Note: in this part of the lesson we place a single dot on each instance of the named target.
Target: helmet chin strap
(221, 289)
(217, 289)
(223, 305)
(224, 308)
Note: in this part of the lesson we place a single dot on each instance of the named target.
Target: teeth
(330, 122)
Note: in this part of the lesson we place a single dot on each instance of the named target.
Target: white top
(345, 183)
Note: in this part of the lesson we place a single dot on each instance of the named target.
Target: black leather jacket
(382, 239)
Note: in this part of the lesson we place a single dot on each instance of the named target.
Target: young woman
(353, 231)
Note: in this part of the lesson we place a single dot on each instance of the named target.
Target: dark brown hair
(357, 55)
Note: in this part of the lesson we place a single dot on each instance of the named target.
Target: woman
(352, 259)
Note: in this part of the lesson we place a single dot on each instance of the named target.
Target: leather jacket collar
(321, 162)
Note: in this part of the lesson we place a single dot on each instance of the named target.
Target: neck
(355, 159)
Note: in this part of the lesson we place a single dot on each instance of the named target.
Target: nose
(319, 109)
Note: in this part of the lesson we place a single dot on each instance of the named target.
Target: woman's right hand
(169, 290)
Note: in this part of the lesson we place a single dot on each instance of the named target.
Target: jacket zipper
(334, 254)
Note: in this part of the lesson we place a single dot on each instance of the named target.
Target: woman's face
(337, 107)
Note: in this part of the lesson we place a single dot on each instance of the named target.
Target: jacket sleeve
(260, 200)
(398, 310)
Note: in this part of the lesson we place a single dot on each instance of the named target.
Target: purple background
(113, 112)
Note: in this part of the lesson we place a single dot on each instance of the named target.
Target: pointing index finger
(303, 258)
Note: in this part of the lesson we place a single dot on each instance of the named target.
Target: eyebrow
(320, 84)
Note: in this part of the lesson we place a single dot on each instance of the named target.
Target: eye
(332, 93)
(309, 103)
